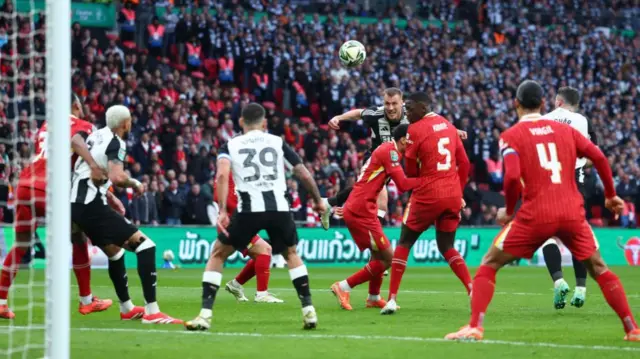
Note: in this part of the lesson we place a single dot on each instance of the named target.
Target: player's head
(76, 106)
(119, 120)
(529, 98)
(417, 105)
(568, 97)
(400, 137)
(253, 117)
(393, 103)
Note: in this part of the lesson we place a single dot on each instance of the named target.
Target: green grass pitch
(520, 323)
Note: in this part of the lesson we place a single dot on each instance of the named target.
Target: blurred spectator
(144, 209)
(195, 211)
(174, 202)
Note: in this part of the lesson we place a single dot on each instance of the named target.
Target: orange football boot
(466, 333)
(633, 336)
(96, 305)
(343, 296)
(5, 312)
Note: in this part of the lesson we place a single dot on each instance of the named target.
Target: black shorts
(101, 223)
(279, 226)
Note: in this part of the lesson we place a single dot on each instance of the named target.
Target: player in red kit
(539, 157)
(436, 155)
(360, 215)
(31, 204)
(260, 267)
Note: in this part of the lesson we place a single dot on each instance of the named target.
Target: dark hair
(530, 95)
(400, 131)
(421, 97)
(253, 113)
(393, 91)
(570, 95)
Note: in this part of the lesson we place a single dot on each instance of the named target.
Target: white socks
(205, 313)
(151, 308)
(3, 302)
(86, 300)
(126, 307)
(344, 286)
(374, 297)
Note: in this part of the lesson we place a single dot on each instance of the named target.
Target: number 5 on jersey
(443, 150)
(550, 163)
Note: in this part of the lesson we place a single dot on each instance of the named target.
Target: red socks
(398, 265)
(459, 267)
(247, 272)
(375, 283)
(82, 268)
(262, 269)
(614, 294)
(484, 285)
(11, 265)
(372, 270)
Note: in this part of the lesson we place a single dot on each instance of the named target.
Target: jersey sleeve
(390, 160)
(368, 116)
(116, 150)
(290, 155)
(413, 142)
(223, 152)
(586, 148)
(507, 145)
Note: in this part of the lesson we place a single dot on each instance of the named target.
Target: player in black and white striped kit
(107, 228)
(257, 161)
(567, 102)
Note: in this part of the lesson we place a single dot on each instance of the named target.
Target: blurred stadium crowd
(186, 68)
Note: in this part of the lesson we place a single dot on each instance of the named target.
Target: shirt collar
(530, 117)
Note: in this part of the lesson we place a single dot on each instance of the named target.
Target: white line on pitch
(352, 337)
(317, 289)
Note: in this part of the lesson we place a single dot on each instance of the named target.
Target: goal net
(35, 85)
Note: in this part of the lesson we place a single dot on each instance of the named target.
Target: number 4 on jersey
(551, 162)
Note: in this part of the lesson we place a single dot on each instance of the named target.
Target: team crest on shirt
(394, 156)
(122, 154)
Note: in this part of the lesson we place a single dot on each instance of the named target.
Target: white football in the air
(352, 53)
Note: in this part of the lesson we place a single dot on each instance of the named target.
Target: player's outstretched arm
(352, 115)
(512, 174)
(463, 164)
(79, 147)
(403, 183)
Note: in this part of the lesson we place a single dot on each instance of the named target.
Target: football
(168, 255)
(352, 53)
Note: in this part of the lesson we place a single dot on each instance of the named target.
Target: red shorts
(445, 213)
(31, 204)
(523, 239)
(366, 232)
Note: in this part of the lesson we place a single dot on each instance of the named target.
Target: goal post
(58, 95)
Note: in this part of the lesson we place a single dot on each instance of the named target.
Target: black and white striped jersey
(580, 123)
(104, 146)
(381, 127)
(258, 162)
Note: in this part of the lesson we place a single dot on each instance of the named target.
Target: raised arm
(463, 164)
(352, 115)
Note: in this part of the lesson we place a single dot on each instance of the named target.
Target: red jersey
(434, 147)
(35, 175)
(383, 163)
(232, 197)
(543, 154)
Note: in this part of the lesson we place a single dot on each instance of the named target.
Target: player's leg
(367, 234)
(30, 203)
(235, 286)
(145, 250)
(408, 238)
(580, 291)
(581, 241)
(119, 278)
(243, 227)
(446, 226)
(457, 264)
(261, 252)
(375, 283)
(82, 270)
(553, 261)
(336, 201)
(282, 231)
